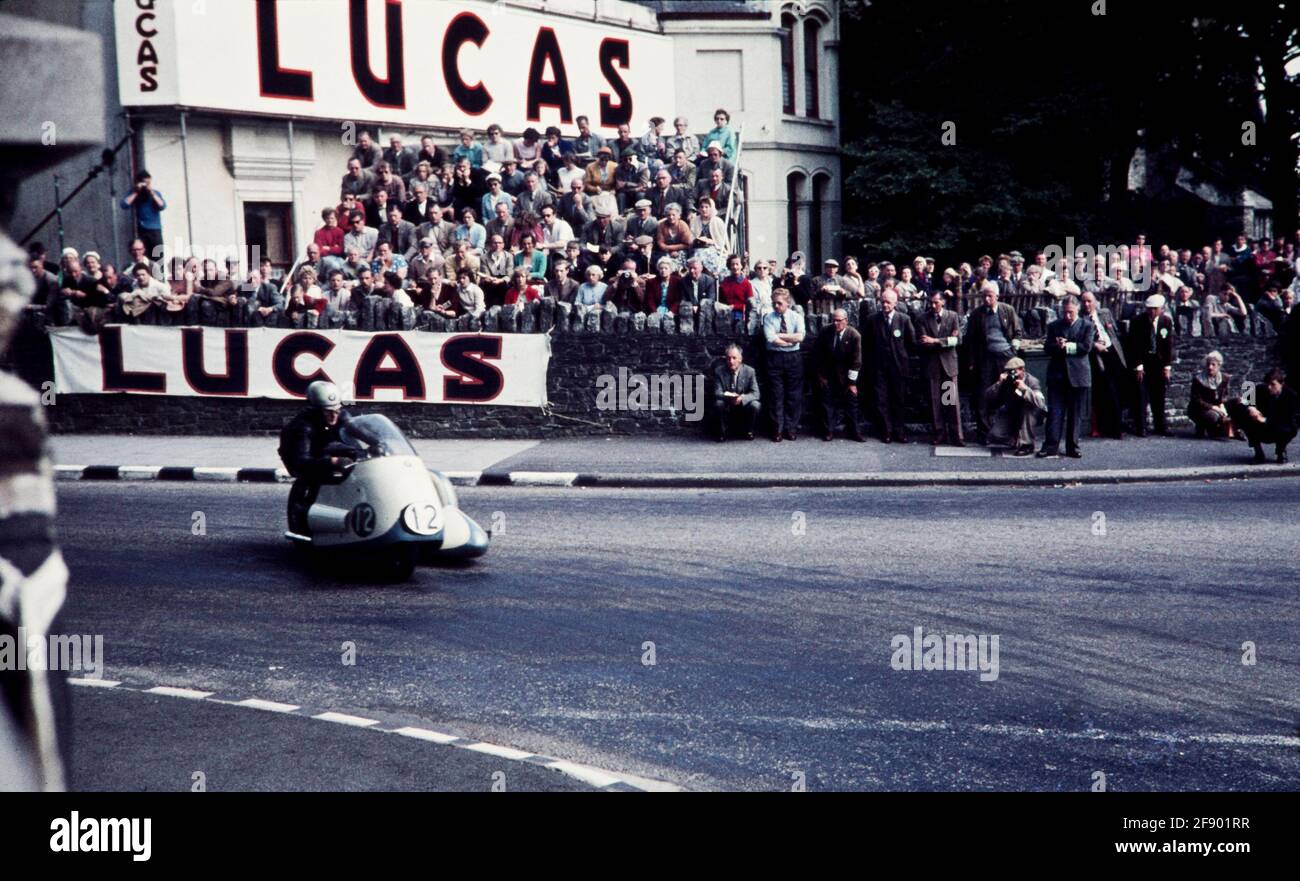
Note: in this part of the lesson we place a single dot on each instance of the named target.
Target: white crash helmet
(324, 395)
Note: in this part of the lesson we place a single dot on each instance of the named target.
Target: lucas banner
(412, 367)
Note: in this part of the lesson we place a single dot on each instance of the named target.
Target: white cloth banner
(259, 362)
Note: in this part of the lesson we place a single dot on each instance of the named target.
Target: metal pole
(293, 197)
(58, 211)
(185, 166)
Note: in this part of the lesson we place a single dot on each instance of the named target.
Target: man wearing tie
(838, 356)
(1109, 372)
(1069, 379)
(890, 337)
(940, 333)
(735, 396)
(783, 329)
(1151, 355)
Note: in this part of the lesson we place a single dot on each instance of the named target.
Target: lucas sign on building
(439, 63)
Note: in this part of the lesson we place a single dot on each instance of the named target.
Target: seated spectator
(495, 195)
(682, 141)
(553, 151)
(722, 134)
(376, 208)
(430, 153)
(402, 160)
(682, 172)
(592, 291)
(416, 211)
(525, 225)
(305, 296)
(665, 193)
(587, 143)
(462, 258)
(697, 284)
(512, 178)
(386, 261)
(437, 227)
(89, 304)
(470, 230)
(631, 181)
(673, 238)
(496, 149)
(469, 150)
(494, 273)
(502, 224)
(530, 259)
(711, 243)
(366, 152)
(1187, 312)
(147, 296)
(605, 230)
(1207, 406)
(1270, 306)
(528, 149)
(735, 290)
(265, 302)
(521, 290)
(1016, 406)
(397, 233)
(468, 185)
(442, 189)
(329, 238)
(711, 185)
(576, 207)
(357, 181)
(427, 259)
(1272, 419)
(561, 287)
(736, 397)
(535, 195)
(715, 162)
(1223, 314)
(394, 289)
(390, 183)
(642, 222)
(626, 290)
(218, 294)
(599, 177)
(437, 296)
(469, 296)
(341, 309)
(348, 203)
(653, 148)
(568, 172)
(556, 233)
(663, 292)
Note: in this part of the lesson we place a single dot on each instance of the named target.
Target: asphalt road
(1119, 653)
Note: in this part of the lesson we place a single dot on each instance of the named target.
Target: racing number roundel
(362, 519)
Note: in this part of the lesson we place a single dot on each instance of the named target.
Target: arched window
(787, 63)
(811, 53)
(793, 192)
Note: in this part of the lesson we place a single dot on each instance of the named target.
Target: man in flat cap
(1015, 405)
(826, 288)
(642, 222)
(1149, 351)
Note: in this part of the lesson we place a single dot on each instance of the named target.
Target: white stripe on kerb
(222, 475)
(138, 472)
(543, 478)
(188, 693)
(68, 472)
(345, 719)
(425, 734)
(271, 706)
(94, 683)
(504, 752)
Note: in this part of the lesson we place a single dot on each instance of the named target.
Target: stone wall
(586, 344)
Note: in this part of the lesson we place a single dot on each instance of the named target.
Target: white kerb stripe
(504, 752)
(138, 472)
(425, 734)
(543, 478)
(226, 475)
(345, 719)
(271, 706)
(169, 691)
(68, 472)
(94, 683)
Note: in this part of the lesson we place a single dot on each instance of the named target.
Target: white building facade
(217, 91)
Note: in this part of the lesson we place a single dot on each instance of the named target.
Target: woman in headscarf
(1207, 406)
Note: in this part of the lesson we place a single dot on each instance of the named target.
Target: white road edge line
(598, 778)
(543, 478)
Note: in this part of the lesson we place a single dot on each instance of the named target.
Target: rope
(549, 411)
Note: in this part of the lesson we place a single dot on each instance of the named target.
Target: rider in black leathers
(302, 448)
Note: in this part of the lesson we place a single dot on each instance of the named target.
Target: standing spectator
(1270, 307)
(1150, 352)
(795, 279)
(1015, 405)
(329, 238)
(736, 396)
(783, 331)
(735, 290)
(494, 273)
(1272, 419)
(1207, 404)
(761, 283)
(939, 332)
(148, 205)
(827, 291)
(1109, 370)
(556, 234)
(722, 134)
(1069, 379)
(889, 338)
(992, 330)
(838, 356)
(366, 151)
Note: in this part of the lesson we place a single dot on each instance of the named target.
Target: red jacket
(330, 240)
(734, 293)
(530, 293)
(654, 293)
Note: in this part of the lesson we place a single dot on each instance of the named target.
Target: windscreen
(374, 436)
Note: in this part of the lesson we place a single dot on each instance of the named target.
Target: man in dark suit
(1150, 353)
(664, 193)
(1069, 379)
(1109, 370)
(1273, 417)
(940, 332)
(735, 397)
(698, 285)
(838, 359)
(890, 337)
(991, 333)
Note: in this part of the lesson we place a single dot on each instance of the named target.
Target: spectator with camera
(147, 205)
(1016, 406)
